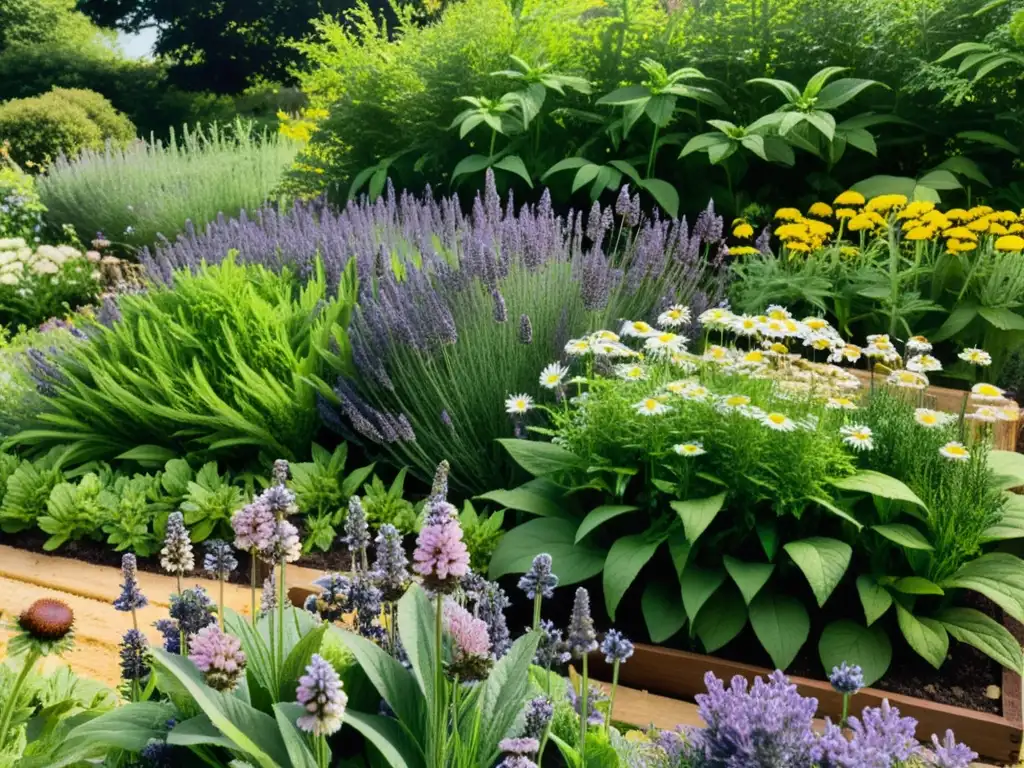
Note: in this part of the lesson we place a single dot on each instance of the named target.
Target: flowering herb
(176, 557)
(131, 597)
(617, 650)
(539, 583)
(846, 680)
(357, 533)
(321, 695)
(333, 599)
(219, 563)
(390, 568)
(218, 656)
(441, 557)
(470, 643)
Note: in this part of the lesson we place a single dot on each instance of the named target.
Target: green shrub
(137, 194)
(114, 126)
(41, 128)
(21, 211)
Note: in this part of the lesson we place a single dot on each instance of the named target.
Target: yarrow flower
(846, 680)
(976, 356)
(858, 436)
(908, 379)
(615, 647)
(133, 651)
(553, 375)
(539, 579)
(218, 656)
(219, 561)
(955, 451)
(441, 556)
(254, 526)
(631, 372)
(131, 597)
(176, 555)
(917, 345)
(321, 695)
(581, 639)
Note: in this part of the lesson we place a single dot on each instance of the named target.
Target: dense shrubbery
(21, 211)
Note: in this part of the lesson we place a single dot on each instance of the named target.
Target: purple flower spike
(357, 533)
(254, 526)
(539, 712)
(131, 597)
(582, 638)
(539, 579)
(176, 556)
(172, 635)
(390, 569)
(218, 656)
(219, 561)
(521, 746)
(321, 695)
(950, 754)
(615, 647)
(846, 680)
(441, 557)
(192, 609)
(133, 651)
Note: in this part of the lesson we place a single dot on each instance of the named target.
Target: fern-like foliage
(209, 504)
(28, 491)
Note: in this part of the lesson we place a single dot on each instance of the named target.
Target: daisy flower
(918, 345)
(745, 325)
(734, 401)
(716, 354)
(604, 336)
(955, 451)
(665, 342)
(674, 316)
(716, 317)
(577, 347)
(754, 356)
(637, 329)
(518, 404)
(773, 329)
(612, 349)
(696, 448)
(819, 341)
(879, 338)
(553, 375)
(986, 393)
(679, 386)
(696, 393)
(816, 323)
(778, 312)
(976, 356)
(926, 417)
(908, 379)
(840, 403)
(684, 361)
(858, 437)
(778, 421)
(631, 372)
(851, 353)
(986, 413)
(923, 364)
(651, 406)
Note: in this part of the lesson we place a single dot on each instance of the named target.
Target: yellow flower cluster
(302, 127)
(959, 230)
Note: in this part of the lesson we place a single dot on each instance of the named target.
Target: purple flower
(218, 656)
(881, 737)
(219, 561)
(390, 571)
(516, 761)
(176, 556)
(330, 604)
(551, 649)
(539, 579)
(268, 596)
(357, 533)
(133, 651)
(254, 526)
(320, 694)
(491, 603)
(581, 638)
(131, 597)
(672, 744)
(615, 647)
(520, 746)
(365, 599)
(950, 754)
(284, 545)
(279, 500)
(172, 634)
(525, 330)
(595, 696)
(470, 644)
(439, 488)
(539, 712)
(500, 310)
(441, 557)
(846, 680)
(192, 609)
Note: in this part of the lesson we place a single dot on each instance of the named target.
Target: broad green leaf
(129, 728)
(818, 80)
(1008, 468)
(148, 454)
(388, 736)
(702, 142)
(768, 534)
(504, 694)
(781, 625)
(198, 730)
(625, 168)
(848, 641)
(660, 108)
(539, 458)
(630, 94)
(779, 150)
(625, 560)
(417, 617)
(1002, 318)
(601, 515)
(823, 561)
(940, 179)
(755, 144)
(917, 585)
(514, 164)
(698, 584)
(697, 514)
(721, 618)
(905, 535)
(525, 499)
(721, 152)
(787, 89)
(836, 510)
(926, 636)
(790, 120)
(571, 562)
(679, 548)
(965, 167)
(999, 576)
(986, 137)
(299, 754)
(470, 164)
(662, 606)
(874, 597)
(749, 577)
(1011, 526)
(984, 633)
(961, 48)
(878, 484)
(958, 319)
(823, 122)
(664, 194)
(836, 94)
(886, 185)
(298, 659)
(862, 140)
(565, 165)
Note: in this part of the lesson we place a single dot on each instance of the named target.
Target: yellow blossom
(1010, 243)
(1015, 228)
(788, 214)
(743, 250)
(820, 209)
(845, 213)
(742, 230)
(979, 210)
(916, 209)
(979, 225)
(884, 203)
(920, 233)
(960, 246)
(799, 247)
(849, 197)
(819, 228)
(859, 222)
(995, 228)
(960, 233)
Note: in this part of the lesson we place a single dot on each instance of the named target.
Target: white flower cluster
(18, 260)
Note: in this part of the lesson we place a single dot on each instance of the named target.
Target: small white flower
(779, 422)
(926, 417)
(985, 413)
(631, 372)
(987, 393)
(820, 341)
(746, 325)
(695, 448)
(650, 406)
(577, 347)
(553, 375)
(778, 312)
(850, 353)
(638, 329)
(908, 379)
(917, 345)
(612, 349)
(716, 354)
(518, 404)
(674, 316)
(604, 336)
(680, 386)
(696, 393)
(817, 324)
(976, 356)
(858, 437)
(666, 343)
(955, 451)
(840, 403)
(683, 361)
(923, 364)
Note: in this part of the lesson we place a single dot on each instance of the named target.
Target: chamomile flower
(578, 347)
(840, 404)
(637, 329)
(695, 448)
(746, 325)
(730, 402)
(716, 317)
(816, 323)
(778, 312)
(773, 329)
(612, 349)
(674, 316)
(955, 451)
(665, 342)
(988, 414)
(923, 364)
(858, 437)
(779, 422)
(908, 379)
(651, 406)
(631, 372)
(753, 357)
(604, 336)
(518, 404)
(716, 354)
(678, 387)
(851, 353)
(987, 393)
(819, 341)
(930, 419)
(917, 345)
(976, 356)
(697, 392)
(553, 375)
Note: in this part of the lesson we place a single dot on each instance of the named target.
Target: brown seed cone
(47, 619)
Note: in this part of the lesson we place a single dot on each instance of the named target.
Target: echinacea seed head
(47, 619)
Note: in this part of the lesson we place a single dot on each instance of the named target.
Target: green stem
(280, 616)
(584, 691)
(252, 585)
(439, 713)
(12, 700)
(611, 697)
(846, 710)
(894, 281)
(220, 609)
(536, 610)
(653, 152)
(183, 640)
(494, 135)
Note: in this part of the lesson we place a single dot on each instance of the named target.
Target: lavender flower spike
(357, 532)
(582, 638)
(439, 488)
(172, 635)
(525, 330)
(219, 561)
(520, 746)
(284, 545)
(539, 579)
(846, 680)
(218, 656)
(268, 597)
(133, 651)
(539, 712)
(950, 754)
(131, 597)
(192, 609)
(441, 557)
(280, 472)
(254, 526)
(390, 571)
(321, 695)
(176, 556)
(615, 647)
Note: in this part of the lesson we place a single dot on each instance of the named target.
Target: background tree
(39, 22)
